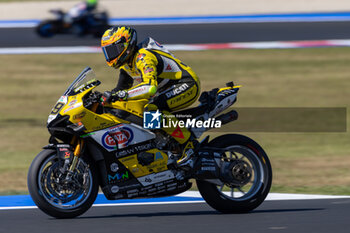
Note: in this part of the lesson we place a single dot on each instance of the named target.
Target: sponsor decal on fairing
(115, 189)
(144, 146)
(156, 178)
(73, 106)
(121, 135)
(72, 102)
(118, 177)
(114, 167)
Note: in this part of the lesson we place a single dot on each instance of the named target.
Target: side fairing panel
(121, 136)
(157, 164)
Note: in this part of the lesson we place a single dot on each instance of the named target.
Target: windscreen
(85, 76)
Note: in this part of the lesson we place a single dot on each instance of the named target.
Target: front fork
(65, 153)
(79, 143)
(71, 174)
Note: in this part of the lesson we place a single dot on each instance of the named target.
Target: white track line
(276, 196)
(51, 50)
(185, 47)
(270, 197)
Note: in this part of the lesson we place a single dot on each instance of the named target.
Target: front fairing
(71, 102)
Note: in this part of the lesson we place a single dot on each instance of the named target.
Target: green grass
(302, 162)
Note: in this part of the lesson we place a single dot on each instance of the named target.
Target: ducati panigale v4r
(108, 146)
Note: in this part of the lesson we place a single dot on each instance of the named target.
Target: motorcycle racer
(166, 81)
(82, 8)
(79, 11)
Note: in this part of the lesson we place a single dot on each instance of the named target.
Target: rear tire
(57, 200)
(260, 177)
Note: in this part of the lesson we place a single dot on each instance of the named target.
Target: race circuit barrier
(186, 47)
(246, 18)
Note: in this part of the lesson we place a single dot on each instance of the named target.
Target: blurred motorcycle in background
(79, 20)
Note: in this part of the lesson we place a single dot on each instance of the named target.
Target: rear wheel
(247, 176)
(58, 193)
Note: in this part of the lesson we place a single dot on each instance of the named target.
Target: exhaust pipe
(227, 117)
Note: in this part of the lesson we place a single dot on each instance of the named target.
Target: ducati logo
(177, 90)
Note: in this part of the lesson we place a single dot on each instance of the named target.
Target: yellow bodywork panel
(158, 165)
(93, 121)
(228, 88)
(135, 107)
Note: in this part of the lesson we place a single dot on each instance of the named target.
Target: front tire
(53, 195)
(249, 180)
(47, 28)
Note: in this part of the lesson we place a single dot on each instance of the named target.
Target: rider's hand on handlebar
(111, 96)
(106, 97)
(120, 95)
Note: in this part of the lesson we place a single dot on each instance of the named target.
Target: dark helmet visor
(113, 51)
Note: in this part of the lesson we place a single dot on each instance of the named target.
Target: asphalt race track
(321, 216)
(193, 33)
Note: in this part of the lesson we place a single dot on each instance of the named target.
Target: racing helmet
(91, 3)
(118, 45)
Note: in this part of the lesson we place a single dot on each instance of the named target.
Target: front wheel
(47, 28)
(247, 176)
(58, 193)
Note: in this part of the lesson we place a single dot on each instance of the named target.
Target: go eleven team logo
(155, 120)
(121, 135)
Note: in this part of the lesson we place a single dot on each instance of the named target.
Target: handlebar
(92, 98)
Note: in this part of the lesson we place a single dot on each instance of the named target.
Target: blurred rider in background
(82, 8)
(147, 71)
(81, 12)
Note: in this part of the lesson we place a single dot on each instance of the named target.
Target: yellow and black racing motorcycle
(121, 149)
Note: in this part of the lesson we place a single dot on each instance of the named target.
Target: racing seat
(207, 103)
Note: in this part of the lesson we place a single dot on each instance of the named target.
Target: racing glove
(111, 96)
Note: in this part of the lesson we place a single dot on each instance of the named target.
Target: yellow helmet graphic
(118, 45)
